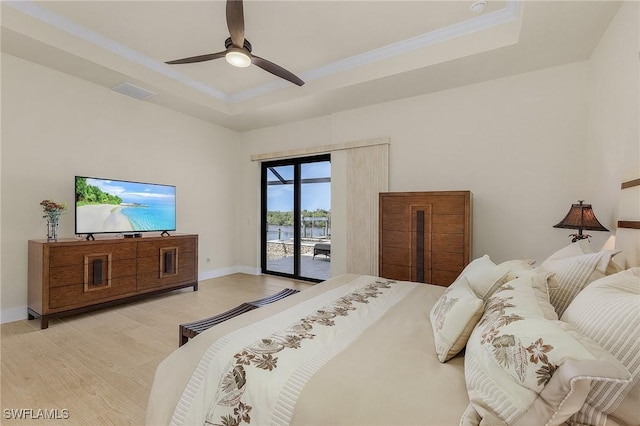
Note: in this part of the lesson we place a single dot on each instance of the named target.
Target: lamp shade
(581, 217)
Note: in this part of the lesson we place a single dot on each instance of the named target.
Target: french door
(296, 218)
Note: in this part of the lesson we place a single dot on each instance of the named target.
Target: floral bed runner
(254, 375)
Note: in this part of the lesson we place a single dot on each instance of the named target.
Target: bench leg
(182, 339)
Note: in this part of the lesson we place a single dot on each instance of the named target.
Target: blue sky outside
(134, 192)
(314, 196)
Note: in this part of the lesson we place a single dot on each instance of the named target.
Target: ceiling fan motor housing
(229, 44)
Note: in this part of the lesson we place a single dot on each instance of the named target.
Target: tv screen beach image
(104, 205)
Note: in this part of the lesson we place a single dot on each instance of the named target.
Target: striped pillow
(608, 311)
(572, 274)
(578, 248)
(523, 368)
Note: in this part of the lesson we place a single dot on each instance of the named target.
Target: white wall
(55, 126)
(614, 111)
(527, 146)
(511, 141)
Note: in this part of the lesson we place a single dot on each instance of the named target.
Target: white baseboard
(20, 313)
(13, 314)
(228, 271)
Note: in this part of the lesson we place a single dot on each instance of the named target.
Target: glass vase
(52, 229)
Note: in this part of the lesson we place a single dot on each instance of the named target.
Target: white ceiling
(350, 53)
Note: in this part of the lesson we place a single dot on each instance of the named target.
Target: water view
(314, 195)
(281, 232)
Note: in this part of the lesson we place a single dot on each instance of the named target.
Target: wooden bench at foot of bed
(192, 329)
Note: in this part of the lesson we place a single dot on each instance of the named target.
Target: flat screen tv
(119, 206)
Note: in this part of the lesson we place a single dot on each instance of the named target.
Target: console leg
(30, 317)
(195, 287)
(44, 323)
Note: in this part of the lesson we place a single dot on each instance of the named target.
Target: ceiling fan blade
(235, 22)
(201, 58)
(276, 70)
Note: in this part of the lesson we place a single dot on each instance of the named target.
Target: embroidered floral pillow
(523, 367)
(517, 267)
(453, 317)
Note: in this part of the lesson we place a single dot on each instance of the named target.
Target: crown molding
(509, 13)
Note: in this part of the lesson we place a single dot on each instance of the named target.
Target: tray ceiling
(350, 53)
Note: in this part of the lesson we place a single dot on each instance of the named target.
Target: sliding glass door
(296, 217)
(278, 217)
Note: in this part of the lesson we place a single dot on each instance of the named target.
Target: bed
(489, 349)
(399, 346)
(510, 343)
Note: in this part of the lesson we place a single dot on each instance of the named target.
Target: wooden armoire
(424, 236)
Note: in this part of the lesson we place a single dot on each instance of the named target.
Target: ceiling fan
(238, 49)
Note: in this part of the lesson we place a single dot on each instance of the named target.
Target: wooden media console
(70, 276)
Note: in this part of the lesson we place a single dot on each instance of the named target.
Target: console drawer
(76, 296)
(151, 280)
(152, 248)
(74, 255)
(75, 274)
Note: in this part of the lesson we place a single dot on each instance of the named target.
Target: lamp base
(578, 237)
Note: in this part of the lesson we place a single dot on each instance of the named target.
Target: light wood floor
(99, 366)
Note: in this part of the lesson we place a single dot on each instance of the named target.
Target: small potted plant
(52, 212)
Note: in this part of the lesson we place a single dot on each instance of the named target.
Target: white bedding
(375, 364)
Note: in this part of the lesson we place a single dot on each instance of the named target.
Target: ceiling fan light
(479, 6)
(238, 58)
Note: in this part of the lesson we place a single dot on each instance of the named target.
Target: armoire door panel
(396, 272)
(447, 261)
(396, 222)
(399, 206)
(438, 227)
(449, 243)
(448, 223)
(447, 204)
(396, 238)
(398, 256)
(443, 278)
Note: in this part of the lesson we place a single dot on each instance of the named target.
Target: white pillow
(574, 273)
(453, 317)
(578, 248)
(581, 247)
(523, 368)
(608, 311)
(484, 276)
(517, 267)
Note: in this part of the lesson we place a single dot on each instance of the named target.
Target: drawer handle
(168, 262)
(420, 247)
(97, 272)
